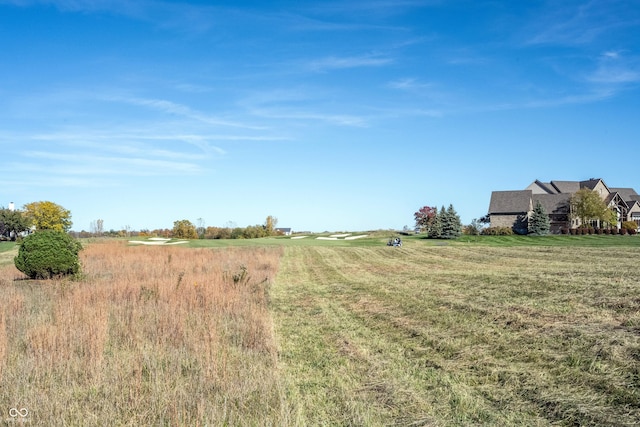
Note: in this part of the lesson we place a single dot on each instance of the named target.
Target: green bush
(629, 225)
(497, 231)
(47, 254)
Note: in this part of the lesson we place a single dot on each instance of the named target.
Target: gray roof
(553, 203)
(632, 202)
(510, 202)
(627, 194)
(566, 186)
(539, 187)
(591, 183)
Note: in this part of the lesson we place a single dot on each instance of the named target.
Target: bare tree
(96, 227)
(200, 229)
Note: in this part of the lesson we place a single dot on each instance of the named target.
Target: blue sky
(329, 115)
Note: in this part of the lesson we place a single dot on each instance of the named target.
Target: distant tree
(270, 225)
(218, 233)
(97, 227)
(253, 232)
(435, 230)
(12, 223)
(48, 216)
(212, 233)
(451, 225)
(184, 229)
(539, 223)
(200, 229)
(237, 233)
(425, 217)
(587, 205)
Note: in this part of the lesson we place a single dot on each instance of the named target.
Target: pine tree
(451, 224)
(539, 223)
(436, 227)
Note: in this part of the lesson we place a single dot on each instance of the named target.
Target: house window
(635, 217)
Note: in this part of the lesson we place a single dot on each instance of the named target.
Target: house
(285, 231)
(513, 208)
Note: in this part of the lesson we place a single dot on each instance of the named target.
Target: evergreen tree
(435, 232)
(451, 224)
(539, 223)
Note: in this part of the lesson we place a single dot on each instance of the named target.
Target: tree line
(34, 216)
(442, 224)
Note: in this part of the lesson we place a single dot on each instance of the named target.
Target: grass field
(508, 331)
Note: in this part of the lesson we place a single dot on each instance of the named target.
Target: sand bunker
(157, 241)
(341, 237)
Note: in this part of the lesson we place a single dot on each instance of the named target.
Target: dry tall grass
(149, 336)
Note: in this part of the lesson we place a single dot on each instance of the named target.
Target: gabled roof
(615, 197)
(592, 183)
(539, 187)
(627, 194)
(566, 186)
(633, 203)
(510, 202)
(553, 203)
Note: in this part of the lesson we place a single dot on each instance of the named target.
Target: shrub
(629, 225)
(497, 231)
(47, 254)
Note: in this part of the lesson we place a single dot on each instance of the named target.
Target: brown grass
(148, 336)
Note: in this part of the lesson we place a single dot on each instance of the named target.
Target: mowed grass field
(488, 332)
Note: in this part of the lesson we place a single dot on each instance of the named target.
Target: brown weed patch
(148, 336)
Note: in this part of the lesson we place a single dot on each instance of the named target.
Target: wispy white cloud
(185, 17)
(298, 23)
(90, 164)
(409, 83)
(34, 179)
(337, 62)
(577, 23)
(182, 110)
(299, 105)
(362, 8)
(302, 115)
(614, 68)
